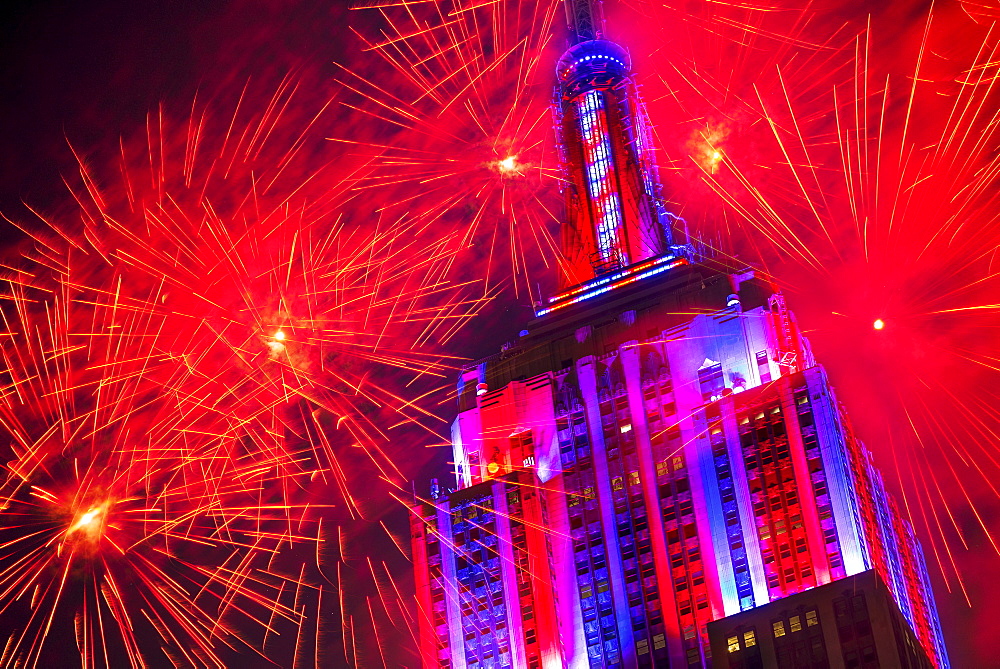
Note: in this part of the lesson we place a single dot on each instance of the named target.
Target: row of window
(817, 474)
(785, 626)
(776, 504)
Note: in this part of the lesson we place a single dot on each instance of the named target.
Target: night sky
(88, 73)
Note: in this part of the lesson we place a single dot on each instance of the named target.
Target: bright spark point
(279, 335)
(878, 324)
(508, 164)
(89, 521)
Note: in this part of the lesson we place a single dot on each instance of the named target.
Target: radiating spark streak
(375, 628)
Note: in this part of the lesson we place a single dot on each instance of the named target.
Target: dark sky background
(88, 72)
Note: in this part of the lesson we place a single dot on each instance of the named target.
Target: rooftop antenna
(586, 20)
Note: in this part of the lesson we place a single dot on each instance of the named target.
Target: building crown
(616, 223)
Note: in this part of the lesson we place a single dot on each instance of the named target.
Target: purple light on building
(658, 452)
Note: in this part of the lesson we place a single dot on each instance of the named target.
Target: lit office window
(763, 367)
(711, 381)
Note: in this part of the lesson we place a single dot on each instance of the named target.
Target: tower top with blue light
(617, 227)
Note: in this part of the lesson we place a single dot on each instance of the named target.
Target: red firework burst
(459, 135)
(133, 525)
(194, 371)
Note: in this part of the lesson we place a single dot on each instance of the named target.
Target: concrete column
(631, 363)
(836, 465)
(587, 375)
(804, 487)
(744, 503)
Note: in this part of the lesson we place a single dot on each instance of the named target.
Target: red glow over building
(658, 451)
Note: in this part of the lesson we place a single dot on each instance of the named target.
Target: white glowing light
(88, 521)
(878, 324)
(508, 164)
(279, 335)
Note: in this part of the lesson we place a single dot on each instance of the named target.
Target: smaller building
(851, 623)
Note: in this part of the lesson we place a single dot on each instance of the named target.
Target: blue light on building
(659, 449)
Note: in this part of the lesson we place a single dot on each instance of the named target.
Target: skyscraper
(657, 451)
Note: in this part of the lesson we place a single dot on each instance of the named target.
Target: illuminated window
(795, 623)
(811, 618)
(779, 628)
(763, 367)
(662, 468)
(633, 478)
(733, 643)
(616, 483)
(678, 463)
(749, 639)
(711, 381)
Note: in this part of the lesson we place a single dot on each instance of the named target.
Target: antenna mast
(586, 20)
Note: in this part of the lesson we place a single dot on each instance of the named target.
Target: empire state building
(657, 473)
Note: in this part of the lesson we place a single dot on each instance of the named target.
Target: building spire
(615, 216)
(585, 19)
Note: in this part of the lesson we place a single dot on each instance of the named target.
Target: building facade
(850, 623)
(659, 449)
